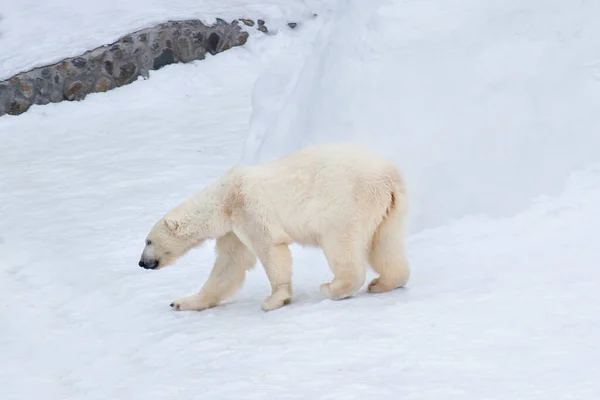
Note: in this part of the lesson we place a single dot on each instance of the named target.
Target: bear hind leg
(277, 262)
(346, 258)
(387, 256)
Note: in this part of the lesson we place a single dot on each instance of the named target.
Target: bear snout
(152, 264)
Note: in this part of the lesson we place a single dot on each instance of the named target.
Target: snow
(54, 30)
(508, 88)
(491, 108)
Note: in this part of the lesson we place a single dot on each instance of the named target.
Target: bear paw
(194, 302)
(337, 290)
(378, 285)
(274, 302)
(326, 291)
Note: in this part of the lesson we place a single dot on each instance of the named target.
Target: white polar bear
(343, 198)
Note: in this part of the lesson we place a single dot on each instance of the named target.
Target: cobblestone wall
(122, 62)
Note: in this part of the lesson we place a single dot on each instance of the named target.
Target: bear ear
(171, 224)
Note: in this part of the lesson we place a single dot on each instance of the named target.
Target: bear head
(166, 242)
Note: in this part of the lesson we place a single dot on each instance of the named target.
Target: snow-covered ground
(490, 107)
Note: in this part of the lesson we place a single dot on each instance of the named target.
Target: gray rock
(261, 26)
(108, 67)
(165, 58)
(75, 91)
(79, 62)
(26, 87)
(103, 84)
(127, 73)
(18, 106)
(212, 43)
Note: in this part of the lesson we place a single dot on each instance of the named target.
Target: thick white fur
(343, 198)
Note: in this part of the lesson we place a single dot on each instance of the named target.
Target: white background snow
(491, 108)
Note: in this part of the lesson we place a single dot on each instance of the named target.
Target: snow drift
(483, 105)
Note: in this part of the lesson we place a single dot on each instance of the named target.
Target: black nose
(148, 265)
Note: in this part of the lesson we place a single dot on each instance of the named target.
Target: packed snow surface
(491, 108)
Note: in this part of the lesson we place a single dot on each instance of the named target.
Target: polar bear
(343, 198)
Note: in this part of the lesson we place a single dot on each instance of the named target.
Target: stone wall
(121, 63)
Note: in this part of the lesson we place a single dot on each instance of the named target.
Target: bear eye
(148, 242)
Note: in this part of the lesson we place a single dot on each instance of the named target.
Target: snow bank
(483, 105)
(35, 33)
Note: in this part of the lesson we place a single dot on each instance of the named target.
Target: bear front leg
(226, 277)
(277, 261)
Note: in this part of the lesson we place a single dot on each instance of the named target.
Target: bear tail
(398, 195)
